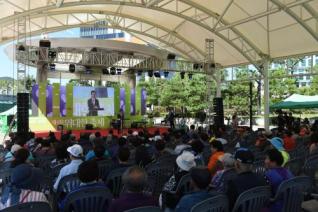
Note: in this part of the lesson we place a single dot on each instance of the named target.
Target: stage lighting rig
(139, 73)
(182, 74)
(118, 71)
(157, 74)
(71, 68)
(52, 67)
(150, 73)
(113, 71)
(105, 71)
(166, 74)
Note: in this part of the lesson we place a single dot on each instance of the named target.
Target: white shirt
(67, 170)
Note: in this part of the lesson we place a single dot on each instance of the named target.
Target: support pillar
(266, 95)
(41, 73)
(218, 84)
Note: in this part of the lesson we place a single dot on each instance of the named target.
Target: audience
(23, 178)
(276, 174)
(289, 141)
(217, 153)
(91, 154)
(134, 180)
(44, 149)
(221, 178)
(75, 154)
(245, 179)
(200, 179)
(20, 157)
(61, 154)
(313, 148)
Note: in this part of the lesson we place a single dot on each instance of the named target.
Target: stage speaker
(45, 43)
(171, 57)
(89, 127)
(23, 112)
(9, 119)
(219, 111)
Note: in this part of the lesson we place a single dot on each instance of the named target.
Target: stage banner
(69, 100)
(143, 101)
(42, 98)
(117, 100)
(127, 102)
(35, 100)
(122, 100)
(133, 101)
(56, 100)
(49, 100)
(62, 101)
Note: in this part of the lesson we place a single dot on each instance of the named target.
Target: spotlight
(21, 48)
(52, 67)
(196, 66)
(190, 76)
(157, 74)
(112, 70)
(52, 54)
(94, 49)
(166, 74)
(139, 73)
(150, 73)
(105, 71)
(119, 71)
(71, 68)
(171, 56)
(182, 74)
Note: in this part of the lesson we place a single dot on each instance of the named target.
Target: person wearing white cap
(76, 154)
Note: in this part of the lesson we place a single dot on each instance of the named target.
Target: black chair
(114, 181)
(88, 199)
(295, 166)
(291, 193)
(44, 162)
(145, 209)
(184, 184)
(158, 174)
(253, 199)
(67, 184)
(5, 175)
(259, 167)
(311, 169)
(56, 170)
(29, 207)
(218, 203)
(104, 167)
(5, 165)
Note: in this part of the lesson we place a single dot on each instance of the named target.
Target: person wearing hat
(10, 155)
(245, 178)
(184, 162)
(220, 179)
(217, 152)
(76, 154)
(19, 190)
(278, 144)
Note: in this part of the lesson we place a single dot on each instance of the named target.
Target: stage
(104, 132)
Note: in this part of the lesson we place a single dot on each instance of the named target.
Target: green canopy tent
(297, 101)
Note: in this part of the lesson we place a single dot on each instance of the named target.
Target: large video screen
(93, 101)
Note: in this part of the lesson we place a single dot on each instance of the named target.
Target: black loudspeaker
(9, 119)
(23, 112)
(45, 43)
(171, 57)
(89, 127)
(219, 111)
(71, 68)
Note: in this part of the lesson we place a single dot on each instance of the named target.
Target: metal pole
(266, 95)
(251, 105)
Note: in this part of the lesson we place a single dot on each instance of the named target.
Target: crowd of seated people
(218, 161)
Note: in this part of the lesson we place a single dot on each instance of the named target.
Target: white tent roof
(301, 98)
(244, 31)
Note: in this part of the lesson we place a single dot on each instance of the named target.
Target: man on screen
(93, 104)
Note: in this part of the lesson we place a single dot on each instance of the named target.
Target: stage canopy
(297, 101)
(244, 31)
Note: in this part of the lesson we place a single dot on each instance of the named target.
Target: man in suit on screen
(93, 104)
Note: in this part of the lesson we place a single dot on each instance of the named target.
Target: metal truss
(188, 10)
(21, 42)
(35, 55)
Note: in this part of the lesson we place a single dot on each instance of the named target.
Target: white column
(266, 95)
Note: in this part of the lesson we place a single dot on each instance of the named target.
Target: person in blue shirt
(275, 175)
(200, 179)
(97, 147)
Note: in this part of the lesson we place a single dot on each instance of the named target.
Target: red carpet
(104, 132)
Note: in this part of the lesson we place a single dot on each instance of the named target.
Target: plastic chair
(259, 167)
(44, 162)
(67, 184)
(88, 199)
(29, 207)
(104, 168)
(5, 175)
(217, 203)
(291, 193)
(114, 182)
(184, 184)
(158, 174)
(253, 199)
(145, 209)
(311, 169)
(295, 166)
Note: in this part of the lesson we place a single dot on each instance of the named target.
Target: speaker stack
(219, 112)
(23, 112)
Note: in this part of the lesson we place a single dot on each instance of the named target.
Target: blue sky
(7, 66)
